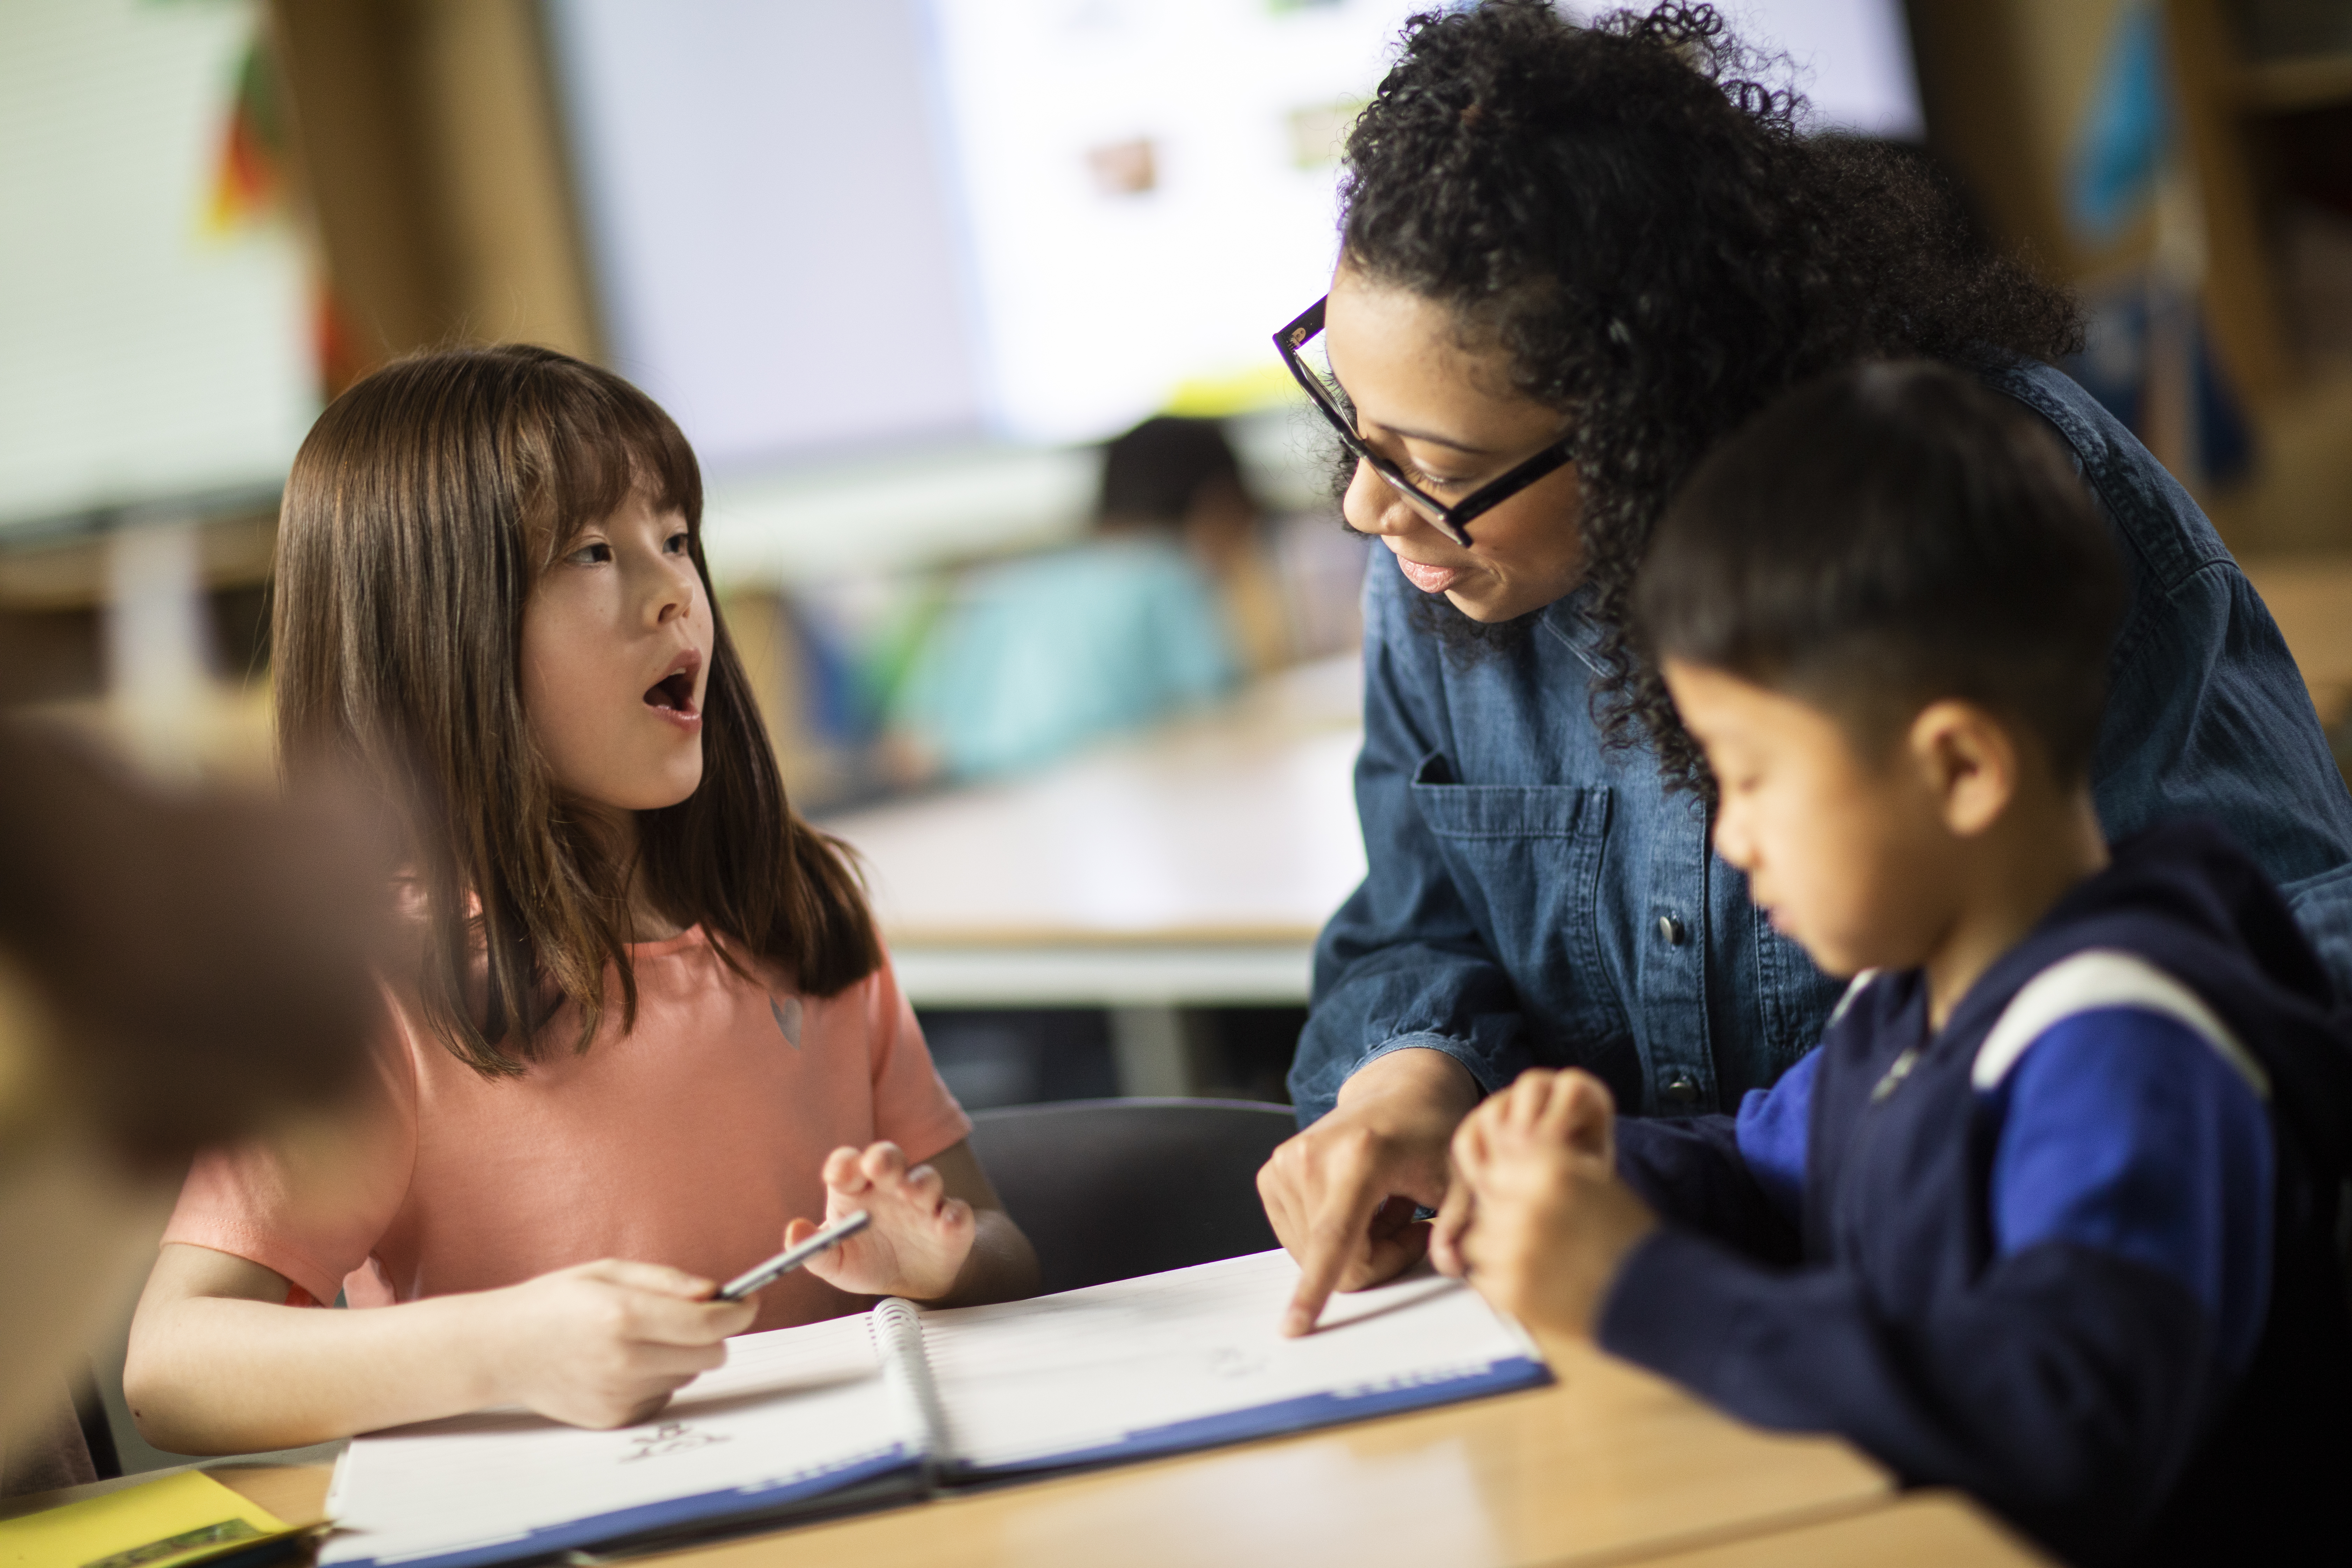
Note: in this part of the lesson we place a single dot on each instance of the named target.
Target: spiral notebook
(901, 1401)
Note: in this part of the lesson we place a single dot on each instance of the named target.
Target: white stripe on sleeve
(2099, 978)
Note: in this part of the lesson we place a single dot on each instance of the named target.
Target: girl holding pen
(644, 1026)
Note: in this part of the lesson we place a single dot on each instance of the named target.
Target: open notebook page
(1191, 1357)
(794, 1412)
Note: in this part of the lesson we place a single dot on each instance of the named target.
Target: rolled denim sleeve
(1402, 965)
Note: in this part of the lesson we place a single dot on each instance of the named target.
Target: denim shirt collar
(1571, 619)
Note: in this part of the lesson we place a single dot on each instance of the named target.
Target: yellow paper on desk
(181, 1519)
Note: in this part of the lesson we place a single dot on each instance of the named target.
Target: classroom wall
(435, 198)
(436, 170)
(153, 341)
(2013, 91)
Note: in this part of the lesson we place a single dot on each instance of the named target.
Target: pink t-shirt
(689, 1141)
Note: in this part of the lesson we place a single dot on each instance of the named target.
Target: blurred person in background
(175, 971)
(1161, 607)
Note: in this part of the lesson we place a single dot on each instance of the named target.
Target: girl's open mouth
(673, 693)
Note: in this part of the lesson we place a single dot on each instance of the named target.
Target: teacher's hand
(1341, 1194)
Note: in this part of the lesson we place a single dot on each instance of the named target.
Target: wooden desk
(2310, 596)
(1236, 828)
(1926, 1530)
(1192, 865)
(1611, 1464)
(1198, 862)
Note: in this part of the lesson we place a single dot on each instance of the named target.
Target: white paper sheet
(1088, 1369)
(1085, 1375)
(787, 1404)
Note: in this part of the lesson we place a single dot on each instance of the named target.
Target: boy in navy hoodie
(2051, 1212)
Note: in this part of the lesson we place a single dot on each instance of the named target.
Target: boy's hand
(604, 1343)
(919, 1240)
(1452, 1224)
(1537, 1216)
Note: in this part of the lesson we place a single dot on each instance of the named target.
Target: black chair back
(1109, 1189)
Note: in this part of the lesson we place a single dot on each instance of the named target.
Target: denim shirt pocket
(1526, 860)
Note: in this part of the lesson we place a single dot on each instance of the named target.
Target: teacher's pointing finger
(1320, 1200)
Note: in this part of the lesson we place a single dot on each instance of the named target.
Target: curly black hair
(1639, 221)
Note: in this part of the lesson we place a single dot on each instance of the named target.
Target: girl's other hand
(607, 1343)
(919, 1236)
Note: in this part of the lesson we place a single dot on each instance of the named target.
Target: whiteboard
(821, 227)
(142, 361)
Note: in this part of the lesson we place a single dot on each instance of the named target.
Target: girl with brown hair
(645, 1000)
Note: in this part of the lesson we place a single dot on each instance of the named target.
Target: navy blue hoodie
(2075, 1252)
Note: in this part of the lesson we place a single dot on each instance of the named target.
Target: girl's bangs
(601, 440)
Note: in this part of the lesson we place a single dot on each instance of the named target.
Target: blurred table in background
(1189, 866)
(1192, 866)
(2310, 596)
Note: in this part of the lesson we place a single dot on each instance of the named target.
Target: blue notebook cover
(607, 1531)
(1303, 1414)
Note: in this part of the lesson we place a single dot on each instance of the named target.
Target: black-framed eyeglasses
(1300, 345)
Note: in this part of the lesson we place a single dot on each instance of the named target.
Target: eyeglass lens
(1316, 359)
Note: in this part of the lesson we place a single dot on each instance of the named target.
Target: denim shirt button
(1671, 929)
(1679, 1092)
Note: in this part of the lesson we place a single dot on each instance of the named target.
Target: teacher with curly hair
(1573, 259)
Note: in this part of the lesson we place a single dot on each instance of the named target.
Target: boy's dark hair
(1153, 473)
(1885, 536)
(1633, 212)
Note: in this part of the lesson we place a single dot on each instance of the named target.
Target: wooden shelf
(2282, 86)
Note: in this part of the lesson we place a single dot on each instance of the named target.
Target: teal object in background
(1039, 655)
(2126, 137)
(2127, 142)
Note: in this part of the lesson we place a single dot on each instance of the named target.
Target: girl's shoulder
(717, 961)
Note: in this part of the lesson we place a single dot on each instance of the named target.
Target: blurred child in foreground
(175, 971)
(2050, 1213)
(1159, 610)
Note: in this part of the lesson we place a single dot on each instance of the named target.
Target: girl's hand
(919, 1240)
(604, 1343)
(1537, 1216)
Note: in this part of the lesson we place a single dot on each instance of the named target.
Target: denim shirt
(1535, 899)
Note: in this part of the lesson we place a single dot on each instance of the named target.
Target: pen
(792, 1258)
